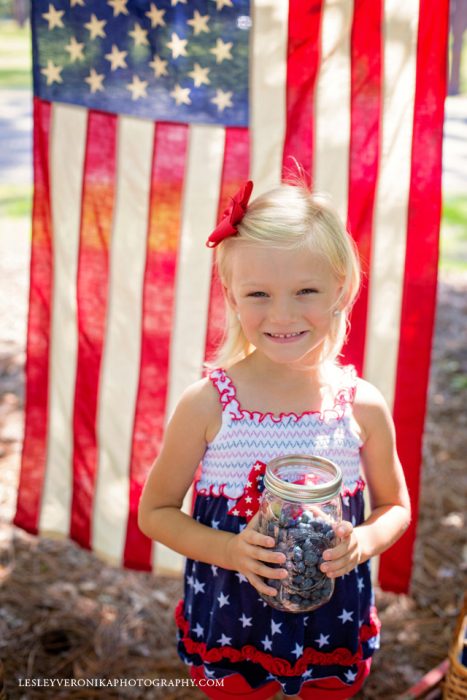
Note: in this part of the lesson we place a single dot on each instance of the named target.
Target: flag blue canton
(172, 60)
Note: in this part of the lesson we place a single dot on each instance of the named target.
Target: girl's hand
(345, 556)
(246, 553)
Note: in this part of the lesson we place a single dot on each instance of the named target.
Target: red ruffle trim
(211, 492)
(218, 492)
(344, 397)
(274, 664)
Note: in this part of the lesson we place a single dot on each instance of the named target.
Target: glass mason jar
(300, 507)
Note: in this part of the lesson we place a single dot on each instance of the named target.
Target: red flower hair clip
(232, 216)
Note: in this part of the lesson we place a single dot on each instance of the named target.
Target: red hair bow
(232, 216)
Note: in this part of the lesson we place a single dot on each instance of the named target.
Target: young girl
(290, 275)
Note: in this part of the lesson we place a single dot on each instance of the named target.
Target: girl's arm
(160, 516)
(389, 498)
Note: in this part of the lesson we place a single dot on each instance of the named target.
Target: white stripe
(268, 78)
(121, 358)
(391, 207)
(67, 136)
(193, 284)
(332, 105)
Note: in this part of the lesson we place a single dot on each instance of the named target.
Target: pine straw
(64, 614)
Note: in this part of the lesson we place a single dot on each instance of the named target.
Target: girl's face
(285, 300)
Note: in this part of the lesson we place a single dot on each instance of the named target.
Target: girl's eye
(256, 294)
(308, 290)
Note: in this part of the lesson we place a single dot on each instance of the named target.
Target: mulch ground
(64, 614)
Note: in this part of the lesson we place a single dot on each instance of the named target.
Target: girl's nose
(281, 311)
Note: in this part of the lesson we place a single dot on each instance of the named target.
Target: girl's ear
(230, 299)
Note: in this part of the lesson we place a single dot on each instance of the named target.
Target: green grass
(453, 253)
(15, 201)
(15, 55)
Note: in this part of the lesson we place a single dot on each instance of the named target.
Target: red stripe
(168, 172)
(37, 357)
(98, 195)
(419, 293)
(365, 132)
(303, 59)
(235, 171)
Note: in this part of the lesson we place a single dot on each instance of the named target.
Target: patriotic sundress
(223, 624)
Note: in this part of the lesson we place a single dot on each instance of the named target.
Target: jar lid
(303, 478)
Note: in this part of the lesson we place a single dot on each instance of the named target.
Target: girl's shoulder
(370, 408)
(199, 408)
(367, 395)
(201, 396)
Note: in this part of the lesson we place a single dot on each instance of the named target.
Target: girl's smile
(286, 337)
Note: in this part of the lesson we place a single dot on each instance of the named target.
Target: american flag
(147, 116)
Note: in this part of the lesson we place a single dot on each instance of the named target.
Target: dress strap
(347, 386)
(224, 386)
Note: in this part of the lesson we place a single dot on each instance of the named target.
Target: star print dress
(223, 624)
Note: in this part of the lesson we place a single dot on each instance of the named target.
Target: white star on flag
(198, 630)
(73, 3)
(118, 6)
(267, 643)
(140, 35)
(52, 73)
(199, 23)
(94, 80)
(214, 569)
(246, 621)
(137, 88)
(181, 95)
(248, 499)
(360, 584)
(323, 640)
(54, 17)
(298, 651)
(174, 2)
(215, 524)
(116, 58)
(189, 580)
(223, 3)
(308, 673)
(159, 66)
(223, 600)
(177, 46)
(199, 587)
(222, 51)
(96, 27)
(200, 77)
(346, 616)
(156, 16)
(276, 627)
(75, 49)
(225, 641)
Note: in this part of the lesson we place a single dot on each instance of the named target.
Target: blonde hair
(290, 217)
